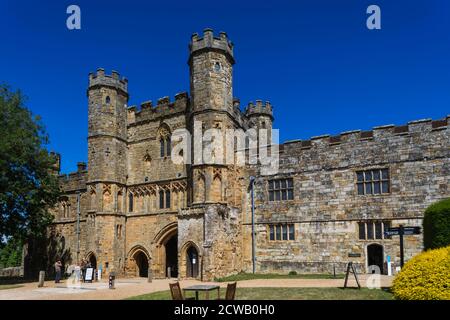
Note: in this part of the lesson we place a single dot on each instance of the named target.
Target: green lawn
(9, 286)
(288, 294)
(251, 276)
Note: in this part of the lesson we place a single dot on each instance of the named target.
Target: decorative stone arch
(165, 243)
(185, 260)
(138, 261)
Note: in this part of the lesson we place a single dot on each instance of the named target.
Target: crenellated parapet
(163, 108)
(74, 181)
(379, 133)
(100, 79)
(211, 43)
(259, 109)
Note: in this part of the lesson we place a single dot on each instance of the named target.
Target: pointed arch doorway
(192, 262)
(167, 252)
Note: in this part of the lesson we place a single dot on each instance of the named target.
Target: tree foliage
(28, 187)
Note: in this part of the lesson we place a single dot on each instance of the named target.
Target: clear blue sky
(315, 60)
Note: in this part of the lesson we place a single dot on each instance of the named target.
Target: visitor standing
(58, 266)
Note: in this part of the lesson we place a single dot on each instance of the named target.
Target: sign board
(406, 231)
(89, 274)
(354, 255)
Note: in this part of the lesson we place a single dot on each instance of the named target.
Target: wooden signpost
(402, 231)
(351, 268)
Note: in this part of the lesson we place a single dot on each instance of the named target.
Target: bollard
(169, 273)
(41, 279)
(150, 276)
(112, 277)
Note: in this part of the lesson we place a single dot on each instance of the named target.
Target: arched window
(161, 147)
(130, 202)
(161, 199)
(168, 147)
(167, 199)
(108, 100)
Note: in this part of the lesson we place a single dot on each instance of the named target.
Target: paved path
(137, 286)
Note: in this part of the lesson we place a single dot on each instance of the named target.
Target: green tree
(28, 185)
(11, 254)
(436, 225)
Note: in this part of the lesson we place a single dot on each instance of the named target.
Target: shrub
(292, 273)
(436, 225)
(425, 277)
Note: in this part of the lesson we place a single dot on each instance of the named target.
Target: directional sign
(411, 230)
(402, 231)
(406, 231)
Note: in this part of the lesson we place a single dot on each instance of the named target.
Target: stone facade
(133, 210)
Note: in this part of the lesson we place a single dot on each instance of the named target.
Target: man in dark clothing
(58, 266)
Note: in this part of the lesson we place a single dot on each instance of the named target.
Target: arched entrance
(375, 257)
(166, 251)
(141, 261)
(92, 260)
(192, 262)
(171, 247)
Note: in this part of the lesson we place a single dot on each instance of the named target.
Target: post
(78, 228)
(150, 275)
(41, 279)
(252, 184)
(402, 255)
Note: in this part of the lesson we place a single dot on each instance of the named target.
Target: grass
(251, 276)
(9, 286)
(287, 294)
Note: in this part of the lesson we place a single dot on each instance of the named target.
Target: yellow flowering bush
(425, 277)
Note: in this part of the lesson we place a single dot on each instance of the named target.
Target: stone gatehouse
(131, 209)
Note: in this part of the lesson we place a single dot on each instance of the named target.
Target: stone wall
(326, 206)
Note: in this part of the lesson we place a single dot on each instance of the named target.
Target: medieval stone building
(132, 209)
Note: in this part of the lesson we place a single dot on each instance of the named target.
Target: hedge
(436, 225)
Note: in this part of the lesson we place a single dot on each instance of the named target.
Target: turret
(107, 98)
(211, 70)
(260, 115)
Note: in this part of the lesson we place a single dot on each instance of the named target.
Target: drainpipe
(252, 184)
(78, 227)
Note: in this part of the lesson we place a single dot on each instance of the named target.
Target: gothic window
(164, 141)
(168, 147)
(164, 199)
(108, 100)
(130, 202)
(281, 189)
(167, 199)
(283, 231)
(373, 181)
(161, 147)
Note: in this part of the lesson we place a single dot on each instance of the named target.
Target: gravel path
(136, 286)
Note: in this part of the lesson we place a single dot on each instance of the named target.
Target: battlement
(164, 107)
(101, 79)
(423, 126)
(210, 42)
(259, 108)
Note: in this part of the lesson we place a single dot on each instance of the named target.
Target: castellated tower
(211, 79)
(107, 99)
(260, 117)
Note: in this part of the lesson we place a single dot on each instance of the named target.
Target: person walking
(58, 266)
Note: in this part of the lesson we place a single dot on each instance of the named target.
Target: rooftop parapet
(259, 108)
(101, 79)
(210, 42)
(380, 132)
(163, 107)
